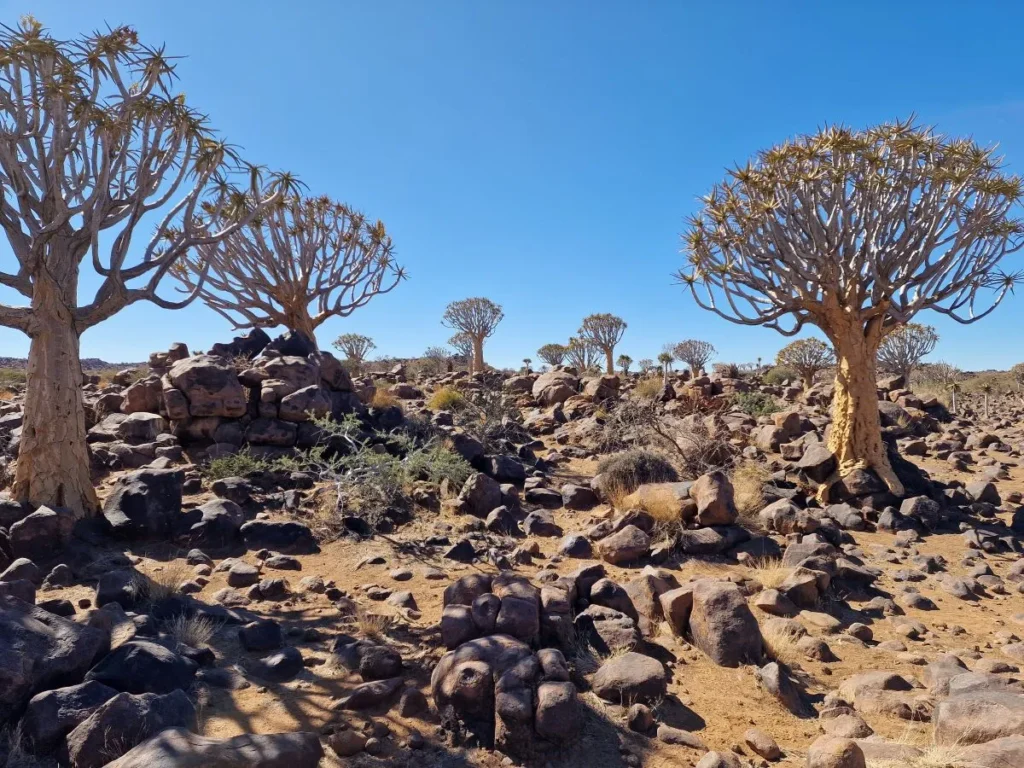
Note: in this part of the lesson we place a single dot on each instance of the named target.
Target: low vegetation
(446, 399)
(755, 403)
(623, 473)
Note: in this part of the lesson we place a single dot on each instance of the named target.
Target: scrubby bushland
(446, 399)
(779, 375)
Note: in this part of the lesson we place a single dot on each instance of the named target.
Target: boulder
(145, 503)
(555, 386)
(288, 537)
(52, 715)
(624, 546)
(713, 493)
(43, 534)
(480, 494)
(978, 717)
(722, 625)
(40, 651)
(211, 386)
(180, 748)
(630, 677)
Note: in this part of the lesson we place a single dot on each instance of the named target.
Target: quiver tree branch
(856, 232)
(302, 261)
(94, 147)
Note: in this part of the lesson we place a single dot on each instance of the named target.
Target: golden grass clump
(748, 481)
(446, 399)
(384, 399)
(648, 389)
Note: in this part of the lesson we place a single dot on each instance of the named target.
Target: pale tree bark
(53, 463)
(610, 368)
(855, 437)
(478, 354)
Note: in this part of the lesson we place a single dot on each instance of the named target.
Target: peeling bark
(478, 355)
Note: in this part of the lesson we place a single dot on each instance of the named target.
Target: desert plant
(477, 318)
(648, 389)
(580, 355)
(806, 357)
(434, 360)
(446, 399)
(727, 370)
(240, 464)
(856, 232)
(779, 375)
(665, 359)
(96, 143)
(602, 332)
(462, 343)
(646, 365)
(904, 347)
(622, 473)
(748, 481)
(195, 631)
(384, 399)
(755, 403)
(624, 362)
(302, 261)
(1017, 371)
(552, 354)
(355, 347)
(695, 353)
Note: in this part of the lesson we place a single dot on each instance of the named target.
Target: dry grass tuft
(748, 481)
(924, 756)
(373, 625)
(384, 399)
(193, 631)
(769, 572)
(648, 389)
(706, 569)
(162, 583)
(780, 639)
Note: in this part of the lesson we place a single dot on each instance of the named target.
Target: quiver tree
(695, 354)
(462, 343)
(355, 347)
(806, 357)
(477, 318)
(93, 141)
(948, 377)
(435, 359)
(580, 355)
(903, 348)
(856, 232)
(1017, 371)
(603, 332)
(552, 354)
(301, 262)
(624, 362)
(665, 358)
(646, 365)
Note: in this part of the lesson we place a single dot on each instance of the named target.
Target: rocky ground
(537, 613)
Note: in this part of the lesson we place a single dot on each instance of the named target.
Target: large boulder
(713, 493)
(555, 386)
(211, 386)
(43, 534)
(480, 494)
(630, 677)
(288, 537)
(39, 650)
(180, 748)
(144, 667)
(978, 717)
(722, 625)
(52, 715)
(125, 721)
(146, 502)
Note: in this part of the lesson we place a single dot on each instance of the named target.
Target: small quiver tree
(355, 347)
(602, 332)
(856, 232)
(552, 354)
(903, 348)
(477, 318)
(695, 353)
(806, 357)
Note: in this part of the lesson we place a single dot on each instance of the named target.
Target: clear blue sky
(545, 154)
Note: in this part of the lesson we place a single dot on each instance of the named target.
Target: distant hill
(88, 364)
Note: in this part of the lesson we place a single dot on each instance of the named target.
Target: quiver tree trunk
(609, 363)
(53, 459)
(856, 434)
(478, 356)
(808, 379)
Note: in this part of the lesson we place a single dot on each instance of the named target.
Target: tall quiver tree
(355, 347)
(602, 332)
(806, 357)
(462, 343)
(856, 232)
(303, 261)
(93, 141)
(476, 317)
(904, 347)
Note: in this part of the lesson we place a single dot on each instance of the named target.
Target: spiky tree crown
(882, 222)
(476, 316)
(603, 331)
(807, 356)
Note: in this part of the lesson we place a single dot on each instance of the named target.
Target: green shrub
(446, 399)
(236, 465)
(779, 375)
(624, 472)
(755, 403)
